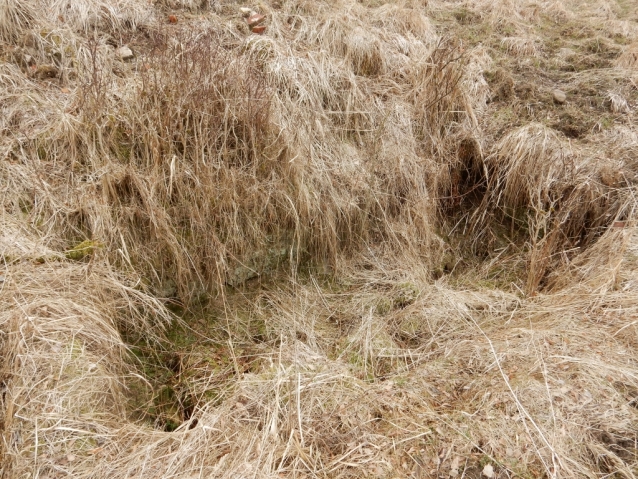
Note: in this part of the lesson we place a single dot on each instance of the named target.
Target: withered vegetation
(381, 239)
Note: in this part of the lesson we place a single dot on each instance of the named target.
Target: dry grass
(16, 18)
(388, 251)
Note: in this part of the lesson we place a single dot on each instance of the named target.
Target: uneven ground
(374, 241)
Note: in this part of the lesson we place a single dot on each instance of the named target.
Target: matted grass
(370, 242)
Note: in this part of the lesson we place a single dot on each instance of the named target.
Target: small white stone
(488, 471)
(559, 96)
(124, 53)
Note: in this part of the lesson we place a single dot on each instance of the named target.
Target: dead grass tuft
(629, 57)
(17, 17)
(521, 46)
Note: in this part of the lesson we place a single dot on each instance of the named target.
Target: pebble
(124, 53)
(255, 19)
(559, 96)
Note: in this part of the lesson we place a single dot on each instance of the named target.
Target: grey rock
(124, 53)
(255, 19)
(559, 96)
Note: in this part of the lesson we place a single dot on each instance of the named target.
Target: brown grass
(349, 247)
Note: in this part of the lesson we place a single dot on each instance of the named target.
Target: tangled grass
(368, 243)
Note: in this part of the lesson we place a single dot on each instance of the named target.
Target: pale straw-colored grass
(377, 281)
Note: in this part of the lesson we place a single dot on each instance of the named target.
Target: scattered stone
(2, 278)
(559, 96)
(172, 19)
(124, 53)
(255, 19)
(488, 471)
(44, 72)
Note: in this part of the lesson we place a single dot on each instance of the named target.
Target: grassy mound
(358, 239)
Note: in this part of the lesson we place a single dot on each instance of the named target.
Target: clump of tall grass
(15, 18)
